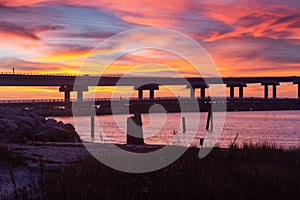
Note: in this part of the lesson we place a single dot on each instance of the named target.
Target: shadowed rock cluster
(25, 126)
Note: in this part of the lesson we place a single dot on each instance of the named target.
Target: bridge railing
(144, 99)
(83, 75)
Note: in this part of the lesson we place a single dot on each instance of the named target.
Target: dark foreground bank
(250, 172)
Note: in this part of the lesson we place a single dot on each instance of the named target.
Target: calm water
(279, 127)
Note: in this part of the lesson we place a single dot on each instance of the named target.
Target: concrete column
(192, 93)
(67, 90)
(79, 95)
(266, 92)
(274, 91)
(202, 90)
(151, 91)
(201, 86)
(151, 87)
(241, 91)
(231, 92)
(298, 83)
(135, 129)
(140, 94)
(67, 96)
(298, 90)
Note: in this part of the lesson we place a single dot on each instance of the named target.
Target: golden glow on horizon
(248, 38)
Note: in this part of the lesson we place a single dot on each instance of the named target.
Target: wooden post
(241, 91)
(274, 91)
(266, 91)
(183, 125)
(92, 126)
(201, 141)
(298, 90)
(192, 93)
(202, 91)
(135, 129)
(231, 92)
(209, 122)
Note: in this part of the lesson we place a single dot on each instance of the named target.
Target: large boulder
(17, 125)
(56, 134)
(51, 122)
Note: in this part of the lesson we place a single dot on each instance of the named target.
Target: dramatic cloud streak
(245, 38)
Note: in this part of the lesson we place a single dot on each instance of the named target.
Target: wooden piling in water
(209, 122)
(201, 141)
(92, 126)
(183, 125)
(135, 129)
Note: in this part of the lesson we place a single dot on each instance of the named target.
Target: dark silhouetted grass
(247, 172)
(6, 155)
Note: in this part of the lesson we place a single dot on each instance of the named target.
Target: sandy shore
(53, 157)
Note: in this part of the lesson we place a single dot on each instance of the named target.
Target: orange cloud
(245, 38)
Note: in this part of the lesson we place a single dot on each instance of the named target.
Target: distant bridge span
(58, 107)
(66, 83)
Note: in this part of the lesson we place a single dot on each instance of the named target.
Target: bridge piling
(231, 92)
(266, 86)
(298, 83)
(298, 90)
(67, 90)
(192, 93)
(140, 95)
(151, 93)
(67, 96)
(274, 91)
(151, 87)
(80, 90)
(240, 86)
(79, 95)
(241, 91)
(202, 90)
(183, 124)
(92, 126)
(135, 129)
(266, 92)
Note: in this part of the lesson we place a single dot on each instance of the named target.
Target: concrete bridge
(65, 83)
(59, 107)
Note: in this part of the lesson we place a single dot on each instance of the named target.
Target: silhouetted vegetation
(247, 172)
(6, 155)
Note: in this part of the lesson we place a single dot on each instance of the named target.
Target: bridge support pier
(241, 89)
(151, 87)
(298, 83)
(299, 91)
(231, 92)
(140, 95)
(67, 90)
(192, 93)
(266, 85)
(80, 91)
(274, 91)
(151, 91)
(67, 96)
(202, 91)
(266, 91)
(79, 95)
(193, 87)
(135, 129)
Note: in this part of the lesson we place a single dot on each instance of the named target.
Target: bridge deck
(7, 79)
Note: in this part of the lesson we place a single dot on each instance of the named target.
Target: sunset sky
(244, 38)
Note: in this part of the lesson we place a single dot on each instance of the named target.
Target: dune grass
(6, 155)
(247, 172)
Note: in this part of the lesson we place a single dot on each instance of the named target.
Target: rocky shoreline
(26, 126)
